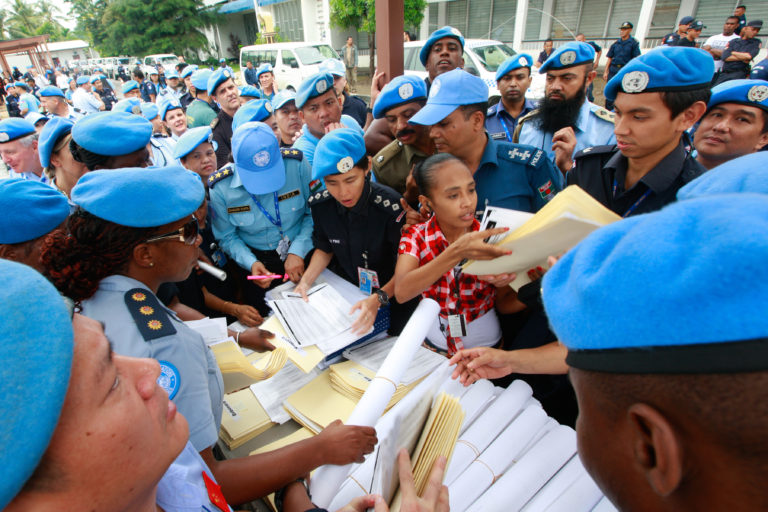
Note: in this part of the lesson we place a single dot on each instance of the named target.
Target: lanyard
(504, 125)
(636, 203)
(275, 222)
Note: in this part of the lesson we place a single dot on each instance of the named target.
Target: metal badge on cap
(435, 88)
(345, 164)
(758, 93)
(226, 73)
(635, 81)
(4, 137)
(261, 159)
(568, 57)
(268, 107)
(321, 86)
(405, 91)
(455, 31)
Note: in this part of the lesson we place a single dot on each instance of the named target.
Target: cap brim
(263, 182)
(432, 114)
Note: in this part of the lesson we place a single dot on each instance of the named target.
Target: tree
(89, 14)
(33, 19)
(361, 14)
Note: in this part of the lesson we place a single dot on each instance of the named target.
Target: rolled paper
(214, 271)
(475, 401)
(583, 494)
(547, 495)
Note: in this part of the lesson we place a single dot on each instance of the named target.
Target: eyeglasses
(186, 234)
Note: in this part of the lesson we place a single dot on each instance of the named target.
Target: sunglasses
(186, 234)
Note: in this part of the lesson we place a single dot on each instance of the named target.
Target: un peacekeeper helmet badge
(635, 81)
(568, 58)
(226, 73)
(169, 379)
(455, 31)
(268, 107)
(405, 91)
(321, 87)
(261, 159)
(435, 88)
(758, 93)
(4, 137)
(345, 164)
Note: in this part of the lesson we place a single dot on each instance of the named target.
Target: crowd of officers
(266, 183)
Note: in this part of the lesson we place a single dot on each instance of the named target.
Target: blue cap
(130, 105)
(171, 74)
(666, 68)
(254, 110)
(399, 91)
(30, 210)
(112, 133)
(249, 91)
(312, 87)
(621, 304)
(22, 85)
(51, 90)
(166, 105)
(192, 138)
(153, 71)
(8, 86)
(96, 78)
(217, 78)
(149, 110)
(53, 130)
(744, 174)
(13, 128)
(200, 79)
(435, 37)
(84, 79)
(574, 53)
(338, 152)
(283, 97)
(264, 68)
(753, 93)
(686, 20)
(521, 60)
(222, 60)
(188, 70)
(258, 160)
(334, 67)
(130, 85)
(34, 117)
(156, 196)
(449, 91)
(33, 382)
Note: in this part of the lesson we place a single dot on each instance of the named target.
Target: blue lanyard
(275, 222)
(506, 130)
(636, 203)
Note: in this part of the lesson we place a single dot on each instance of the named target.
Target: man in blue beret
(161, 145)
(224, 66)
(739, 53)
(620, 53)
(131, 89)
(222, 89)
(172, 89)
(287, 116)
(187, 89)
(658, 96)
(265, 76)
(55, 103)
(565, 121)
(676, 374)
(513, 78)
(18, 149)
(83, 99)
(735, 124)
(398, 101)
(248, 93)
(12, 101)
(672, 38)
(201, 111)
(28, 102)
(103, 92)
(351, 105)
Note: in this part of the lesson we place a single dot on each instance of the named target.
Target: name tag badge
(457, 326)
(282, 248)
(238, 209)
(288, 195)
(368, 280)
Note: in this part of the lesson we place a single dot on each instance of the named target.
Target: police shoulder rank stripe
(150, 316)
(292, 153)
(318, 197)
(605, 115)
(224, 172)
(169, 379)
(521, 154)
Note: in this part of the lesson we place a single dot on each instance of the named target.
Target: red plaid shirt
(425, 242)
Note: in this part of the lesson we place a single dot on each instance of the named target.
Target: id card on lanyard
(457, 321)
(285, 243)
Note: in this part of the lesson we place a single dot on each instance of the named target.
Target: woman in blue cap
(196, 150)
(111, 140)
(57, 160)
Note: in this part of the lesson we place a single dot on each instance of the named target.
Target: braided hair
(89, 158)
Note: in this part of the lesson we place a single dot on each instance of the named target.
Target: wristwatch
(383, 297)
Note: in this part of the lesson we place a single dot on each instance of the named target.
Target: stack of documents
(238, 372)
(213, 330)
(272, 393)
(558, 226)
(351, 379)
(243, 418)
(317, 405)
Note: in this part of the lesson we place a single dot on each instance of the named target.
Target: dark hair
(678, 101)
(90, 159)
(475, 107)
(548, 41)
(741, 7)
(733, 18)
(425, 171)
(138, 74)
(90, 249)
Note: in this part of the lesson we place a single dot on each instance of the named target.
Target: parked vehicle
(167, 60)
(292, 62)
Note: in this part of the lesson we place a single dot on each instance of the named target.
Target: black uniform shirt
(750, 46)
(222, 134)
(355, 108)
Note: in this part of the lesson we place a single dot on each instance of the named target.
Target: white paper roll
(604, 505)
(581, 495)
(369, 409)
(214, 271)
(475, 401)
(556, 486)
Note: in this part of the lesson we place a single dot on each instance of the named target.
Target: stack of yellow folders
(239, 372)
(352, 379)
(438, 437)
(562, 223)
(243, 418)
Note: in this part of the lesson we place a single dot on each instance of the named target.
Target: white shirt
(719, 42)
(62, 81)
(85, 101)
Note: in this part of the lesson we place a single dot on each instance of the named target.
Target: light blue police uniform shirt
(162, 152)
(590, 131)
(28, 176)
(515, 176)
(200, 386)
(308, 142)
(497, 119)
(182, 488)
(236, 232)
(31, 101)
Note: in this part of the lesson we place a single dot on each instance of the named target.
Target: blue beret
(51, 90)
(449, 91)
(250, 91)
(748, 173)
(338, 152)
(13, 128)
(34, 117)
(254, 110)
(753, 93)
(188, 70)
(666, 68)
(22, 85)
(33, 382)
(574, 53)
(521, 60)
(84, 79)
(96, 78)
(685, 303)
(258, 160)
(200, 79)
(130, 105)
(312, 87)
(8, 86)
(156, 196)
(399, 91)
(264, 68)
(222, 60)
(171, 74)
(130, 85)
(30, 210)
(435, 37)
(53, 130)
(167, 104)
(149, 110)
(283, 97)
(112, 133)
(334, 67)
(192, 138)
(217, 78)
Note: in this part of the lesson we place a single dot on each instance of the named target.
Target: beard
(557, 114)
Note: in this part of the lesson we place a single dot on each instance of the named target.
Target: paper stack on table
(243, 418)
(239, 372)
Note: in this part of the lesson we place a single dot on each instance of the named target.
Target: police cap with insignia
(755, 24)
(667, 68)
(112, 133)
(521, 60)
(51, 90)
(31, 210)
(697, 25)
(249, 91)
(258, 161)
(83, 79)
(149, 110)
(188, 70)
(153, 71)
(437, 35)
(167, 104)
(686, 20)
(448, 92)
(13, 128)
(129, 105)
(171, 74)
(255, 110)
(217, 78)
(192, 138)
(334, 67)
(399, 91)
(50, 135)
(574, 53)
(748, 173)
(312, 87)
(140, 197)
(283, 97)
(33, 382)
(130, 85)
(623, 305)
(264, 68)
(753, 93)
(200, 79)
(626, 24)
(338, 152)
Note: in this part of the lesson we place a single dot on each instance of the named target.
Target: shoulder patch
(319, 197)
(522, 154)
(595, 150)
(150, 316)
(387, 153)
(225, 172)
(491, 111)
(214, 123)
(296, 154)
(520, 122)
(387, 200)
(169, 379)
(604, 114)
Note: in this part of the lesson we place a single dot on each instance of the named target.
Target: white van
(167, 60)
(292, 62)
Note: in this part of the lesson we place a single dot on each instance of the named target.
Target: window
(289, 59)
(493, 55)
(315, 54)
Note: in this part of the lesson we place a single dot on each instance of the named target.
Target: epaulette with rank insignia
(595, 150)
(214, 123)
(225, 172)
(520, 122)
(388, 152)
(390, 204)
(605, 115)
(319, 197)
(151, 318)
(520, 153)
(296, 154)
